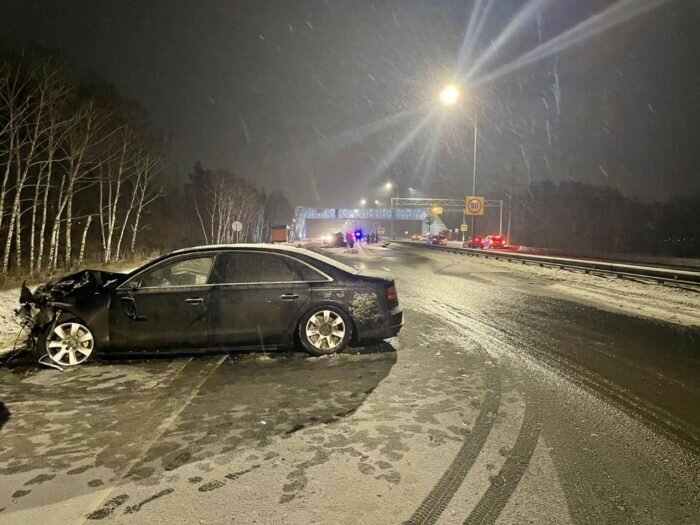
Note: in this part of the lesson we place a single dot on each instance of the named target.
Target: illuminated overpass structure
(406, 216)
(315, 222)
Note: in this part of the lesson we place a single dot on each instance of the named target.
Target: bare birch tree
(38, 94)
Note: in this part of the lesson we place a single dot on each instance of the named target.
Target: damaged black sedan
(213, 298)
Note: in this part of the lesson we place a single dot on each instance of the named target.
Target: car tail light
(391, 294)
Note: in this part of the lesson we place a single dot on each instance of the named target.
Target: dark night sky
(267, 87)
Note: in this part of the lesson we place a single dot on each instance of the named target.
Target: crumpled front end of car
(39, 310)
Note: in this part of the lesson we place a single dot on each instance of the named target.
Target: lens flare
(616, 14)
(449, 95)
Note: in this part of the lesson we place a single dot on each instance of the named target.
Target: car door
(164, 307)
(257, 298)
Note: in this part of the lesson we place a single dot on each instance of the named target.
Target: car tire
(325, 330)
(70, 343)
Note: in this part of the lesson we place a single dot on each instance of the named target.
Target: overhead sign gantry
(472, 206)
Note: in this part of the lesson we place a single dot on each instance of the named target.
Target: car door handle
(289, 296)
(195, 300)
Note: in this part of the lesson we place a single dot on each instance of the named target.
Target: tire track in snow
(503, 485)
(437, 499)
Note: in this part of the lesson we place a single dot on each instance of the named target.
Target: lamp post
(476, 131)
(390, 186)
(394, 207)
(448, 97)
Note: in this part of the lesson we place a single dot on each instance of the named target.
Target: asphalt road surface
(498, 403)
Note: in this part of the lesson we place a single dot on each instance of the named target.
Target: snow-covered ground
(8, 321)
(645, 299)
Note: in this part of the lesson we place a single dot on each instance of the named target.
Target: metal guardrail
(656, 273)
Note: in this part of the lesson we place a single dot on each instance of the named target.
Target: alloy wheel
(325, 330)
(70, 344)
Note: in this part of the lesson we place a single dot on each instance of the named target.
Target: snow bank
(632, 297)
(9, 327)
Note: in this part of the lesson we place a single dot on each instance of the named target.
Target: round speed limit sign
(475, 205)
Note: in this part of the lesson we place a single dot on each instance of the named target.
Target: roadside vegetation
(574, 215)
(86, 178)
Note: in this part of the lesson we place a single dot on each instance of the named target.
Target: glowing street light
(363, 202)
(449, 95)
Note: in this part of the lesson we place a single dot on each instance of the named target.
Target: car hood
(82, 282)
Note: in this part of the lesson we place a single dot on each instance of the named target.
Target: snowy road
(511, 396)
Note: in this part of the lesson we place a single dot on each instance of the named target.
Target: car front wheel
(325, 330)
(70, 343)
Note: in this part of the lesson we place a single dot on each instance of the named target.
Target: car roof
(279, 248)
(252, 246)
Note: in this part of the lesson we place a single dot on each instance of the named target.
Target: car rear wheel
(70, 343)
(325, 330)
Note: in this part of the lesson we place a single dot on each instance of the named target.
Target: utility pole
(464, 221)
(510, 204)
(500, 218)
(394, 211)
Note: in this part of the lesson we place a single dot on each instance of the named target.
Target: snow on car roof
(272, 247)
(260, 245)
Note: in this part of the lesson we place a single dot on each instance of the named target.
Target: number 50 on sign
(474, 205)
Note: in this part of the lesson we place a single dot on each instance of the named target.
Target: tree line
(219, 199)
(71, 156)
(579, 216)
(85, 175)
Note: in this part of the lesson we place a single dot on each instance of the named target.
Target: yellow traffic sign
(474, 205)
(436, 210)
(464, 227)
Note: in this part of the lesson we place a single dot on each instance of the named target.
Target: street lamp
(448, 96)
(363, 202)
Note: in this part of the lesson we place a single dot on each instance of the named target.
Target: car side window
(305, 272)
(247, 267)
(187, 272)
